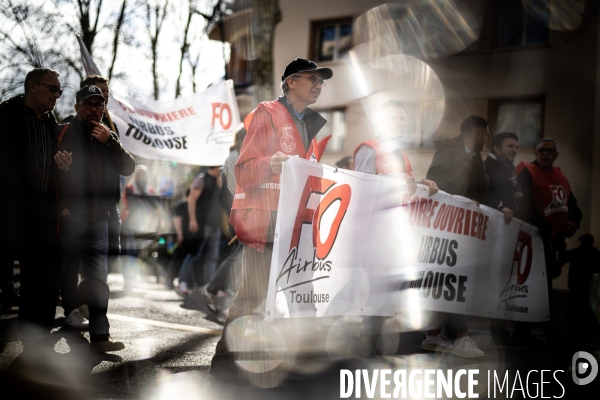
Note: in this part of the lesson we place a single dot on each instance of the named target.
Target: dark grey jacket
(17, 199)
(454, 173)
(501, 189)
(77, 192)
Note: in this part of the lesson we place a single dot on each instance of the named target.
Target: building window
(336, 127)
(330, 40)
(525, 117)
(520, 28)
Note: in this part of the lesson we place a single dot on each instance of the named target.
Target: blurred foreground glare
(426, 29)
(557, 15)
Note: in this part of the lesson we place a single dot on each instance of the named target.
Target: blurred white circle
(399, 81)
(557, 15)
(426, 29)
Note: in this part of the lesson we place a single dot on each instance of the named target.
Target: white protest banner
(348, 243)
(194, 130)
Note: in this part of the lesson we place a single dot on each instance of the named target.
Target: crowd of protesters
(64, 191)
(458, 168)
(60, 200)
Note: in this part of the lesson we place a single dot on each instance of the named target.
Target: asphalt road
(170, 341)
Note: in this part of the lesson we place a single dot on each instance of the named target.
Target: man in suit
(457, 168)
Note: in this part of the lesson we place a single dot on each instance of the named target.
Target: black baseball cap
(87, 92)
(303, 65)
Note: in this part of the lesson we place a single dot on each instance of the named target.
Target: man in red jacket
(383, 155)
(549, 204)
(277, 130)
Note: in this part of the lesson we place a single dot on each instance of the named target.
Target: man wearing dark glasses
(87, 196)
(548, 203)
(76, 310)
(28, 216)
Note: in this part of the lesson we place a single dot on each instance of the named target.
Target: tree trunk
(89, 28)
(155, 70)
(266, 15)
(184, 46)
(158, 14)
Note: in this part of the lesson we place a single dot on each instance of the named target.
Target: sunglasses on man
(88, 105)
(52, 88)
(547, 151)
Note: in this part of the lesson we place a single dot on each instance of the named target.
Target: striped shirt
(40, 142)
(229, 170)
(364, 159)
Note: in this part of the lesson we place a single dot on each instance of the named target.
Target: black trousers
(7, 266)
(34, 243)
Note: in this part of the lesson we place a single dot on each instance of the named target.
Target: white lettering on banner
(366, 246)
(239, 196)
(196, 130)
(270, 185)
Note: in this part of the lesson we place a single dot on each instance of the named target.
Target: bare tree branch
(117, 32)
(184, 45)
(155, 17)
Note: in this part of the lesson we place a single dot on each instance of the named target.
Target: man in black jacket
(458, 169)
(504, 190)
(87, 196)
(28, 217)
(504, 194)
(76, 312)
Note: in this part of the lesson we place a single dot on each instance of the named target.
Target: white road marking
(160, 324)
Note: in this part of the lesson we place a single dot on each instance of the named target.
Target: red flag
(321, 144)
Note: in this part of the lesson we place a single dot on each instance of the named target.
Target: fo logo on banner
(585, 368)
(516, 287)
(220, 125)
(559, 200)
(321, 186)
(221, 113)
(320, 247)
